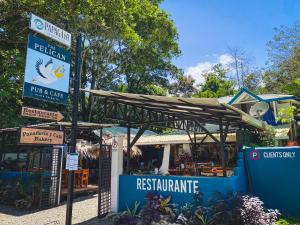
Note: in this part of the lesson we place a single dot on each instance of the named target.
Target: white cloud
(225, 59)
(197, 71)
(203, 67)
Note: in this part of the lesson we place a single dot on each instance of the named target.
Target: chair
(65, 178)
(78, 177)
(85, 178)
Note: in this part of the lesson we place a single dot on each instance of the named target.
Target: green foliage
(153, 89)
(128, 45)
(129, 216)
(216, 85)
(288, 221)
(184, 87)
(165, 205)
(284, 54)
(268, 136)
(203, 220)
(286, 115)
(134, 211)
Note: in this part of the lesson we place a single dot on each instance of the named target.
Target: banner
(47, 71)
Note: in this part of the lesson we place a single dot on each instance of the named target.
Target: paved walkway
(84, 213)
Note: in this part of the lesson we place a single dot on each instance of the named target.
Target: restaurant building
(172, 168)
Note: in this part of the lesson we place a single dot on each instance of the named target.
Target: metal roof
(204, 110)
(246, 96)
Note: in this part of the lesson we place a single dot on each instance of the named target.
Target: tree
(283, 74)
(253, 81)
(128, 42)
(283, 44)
(183, 86)
(216, 84)
(240, 65)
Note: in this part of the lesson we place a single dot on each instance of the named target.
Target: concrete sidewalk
(84, 213)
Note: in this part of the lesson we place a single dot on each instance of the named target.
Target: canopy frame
(188, 114)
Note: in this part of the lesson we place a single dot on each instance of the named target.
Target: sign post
(47, 77)
(74, 128)
(41, 114)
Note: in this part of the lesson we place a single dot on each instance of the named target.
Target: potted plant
(286, 115)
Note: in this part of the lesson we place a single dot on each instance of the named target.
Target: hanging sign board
(50, 30)
(47, 71)
(41, 114)
(72, 161)
(41, 136)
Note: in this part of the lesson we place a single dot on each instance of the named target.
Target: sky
(207, 28)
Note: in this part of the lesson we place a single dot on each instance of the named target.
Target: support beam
(128, 149)
(164, 169)
(226, 131)
(201, 142)
(222, 144)
(138, 135)
(207, 132)
(99, 173)
(191, 139)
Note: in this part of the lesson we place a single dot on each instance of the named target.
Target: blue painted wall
(134, 188)
(274, 176)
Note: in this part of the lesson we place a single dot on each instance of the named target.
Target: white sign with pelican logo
(47, 71)
(50, 30)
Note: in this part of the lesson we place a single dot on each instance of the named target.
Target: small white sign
(72, 161)
(114, 143)
(50, 30)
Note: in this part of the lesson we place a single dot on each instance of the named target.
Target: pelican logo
(39, 24)
(254, 155)
(46, 73)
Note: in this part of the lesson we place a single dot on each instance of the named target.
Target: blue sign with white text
(273, 175)
(134, 188)
(47, 71)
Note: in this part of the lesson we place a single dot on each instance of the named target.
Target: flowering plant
(253, 212)
(152, 201)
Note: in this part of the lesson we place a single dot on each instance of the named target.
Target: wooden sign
(41, 114)
(41, 136)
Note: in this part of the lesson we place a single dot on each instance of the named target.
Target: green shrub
(288, 221)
